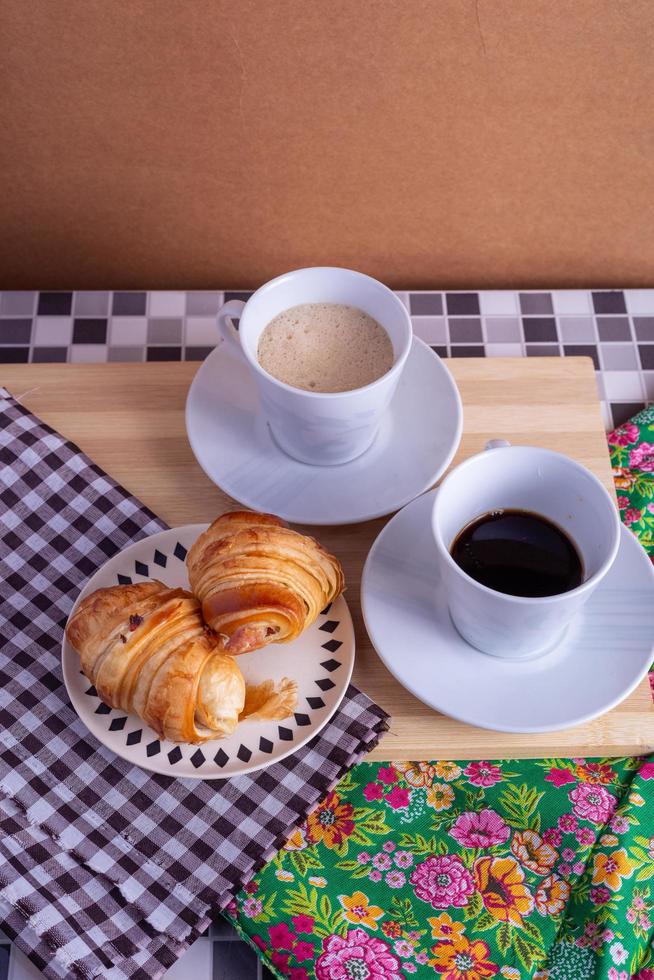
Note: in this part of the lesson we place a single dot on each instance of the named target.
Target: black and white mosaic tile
(615, 328)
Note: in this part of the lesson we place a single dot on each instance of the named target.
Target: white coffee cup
(543, 482)
(320, 428)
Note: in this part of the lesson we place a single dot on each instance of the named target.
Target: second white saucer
(604, 654)
(232, 443)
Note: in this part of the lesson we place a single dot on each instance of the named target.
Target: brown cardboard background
(204, 143)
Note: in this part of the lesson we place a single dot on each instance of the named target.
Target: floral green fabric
(632, 456)
(465, 871)
(522, 870)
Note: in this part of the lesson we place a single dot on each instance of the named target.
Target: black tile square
(197, 353)
(623, 411)
(14, 355)
(536, 303)
(441, 351)
(233, 961)
(90, 330)
(55, 304)
(644, 327)
(164, 354)
(582, 350)
(244, 296)
(426, 304)
(15, 330)
(466, 330)
(613, 328)
(539, 329)
(646, 352)
(129, 304)
(469, 351)
(542, 350)
(463, 304)
(49, 355)
(609, 302)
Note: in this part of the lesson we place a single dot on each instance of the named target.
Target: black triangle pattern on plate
(329, 626)
(180, 551)
(325, 684)
(244, 754)
(134, 737)
(117, 724)
(332, 645)
(153, 748)
(315, 703)
(265, 745)
(160, 559)
(142, 569)
(174, 755)
(198, 758)
(124, 580)
(103, 709)
(330, 665)
(285, 734)
(323, 612)
(301, 719)
(221, 758)
(91, 691)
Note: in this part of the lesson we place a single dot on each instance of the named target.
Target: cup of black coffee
(524, 536)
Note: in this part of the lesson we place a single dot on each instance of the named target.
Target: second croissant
(258, 581)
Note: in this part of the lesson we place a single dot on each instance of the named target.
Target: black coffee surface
(520, 553)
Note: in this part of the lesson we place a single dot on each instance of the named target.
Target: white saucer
(232, 443)
(605, 653)
(320, 660)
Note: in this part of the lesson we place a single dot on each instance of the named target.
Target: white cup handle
(497, 444)
(232, 309)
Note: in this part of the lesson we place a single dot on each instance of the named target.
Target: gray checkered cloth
(107, 870)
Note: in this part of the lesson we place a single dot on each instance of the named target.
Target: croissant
(146, 649)
(258, 581)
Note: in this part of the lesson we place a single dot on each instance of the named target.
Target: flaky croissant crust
(260, 582)
(147, 650)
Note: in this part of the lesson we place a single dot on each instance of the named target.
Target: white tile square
(201, 331)
(623, 386)
(88, 353)
(498, 302)
(640, 302)
(431, 329)
(128, 331)
(571, 302)
(196, 962)
(167, 304)
(648, 378)
(53, 331)
(503, 350)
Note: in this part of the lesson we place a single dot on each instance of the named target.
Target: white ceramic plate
(232, 443)
(605, 653)
(320, 660)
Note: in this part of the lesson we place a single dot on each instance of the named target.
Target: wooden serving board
(130, 419)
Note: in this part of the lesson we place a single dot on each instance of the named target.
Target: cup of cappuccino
(326, 347)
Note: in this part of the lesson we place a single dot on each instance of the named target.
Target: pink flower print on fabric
(642, 457)
(443, 881)
(631, 516)
(397, 798)
(624, 435)
(559, 777)
(592, 803)
(482, 773)
(356, 955)
(483, 829)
